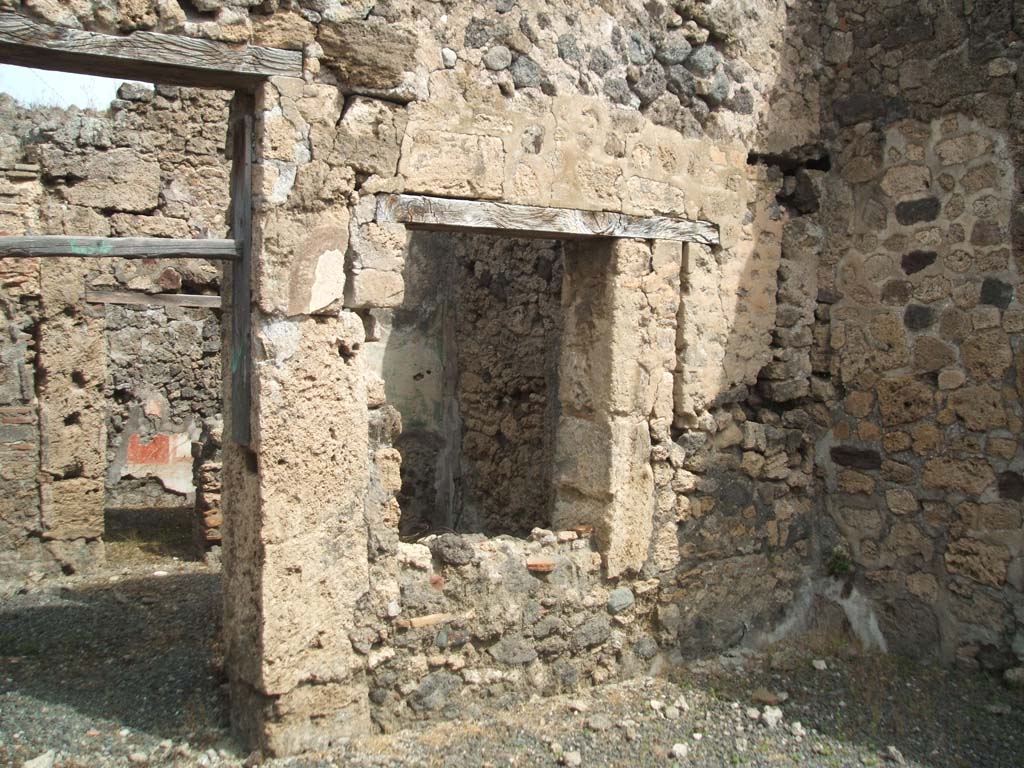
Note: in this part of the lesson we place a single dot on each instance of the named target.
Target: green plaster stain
(91, 248)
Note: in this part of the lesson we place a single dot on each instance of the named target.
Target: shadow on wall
(751, 376)
(470, 361)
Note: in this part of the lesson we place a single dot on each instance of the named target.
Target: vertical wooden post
(240, 353)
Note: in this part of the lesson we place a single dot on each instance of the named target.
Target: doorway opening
(470, 360)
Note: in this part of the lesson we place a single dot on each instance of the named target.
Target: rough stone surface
(858, 160)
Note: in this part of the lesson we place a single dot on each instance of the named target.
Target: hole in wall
(74, 471)
(470, 360)
(811, 157)
(73, 418)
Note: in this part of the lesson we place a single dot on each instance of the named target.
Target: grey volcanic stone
(135, 92)
(1011, 486)
(498, 58)
(620, 600)
(526, 72)
(896, 292)
(478, 33)
(681, 82)
(917, 317)
(858, 108)
(805, 196)
(996, 293)
(593, 632)
(433, 691)
(651, 84)
(699, 109)
(718, 90)
(513, 650)
(600, 62)
(452, 549)
(617, 89)
(704, 60)
(914, 211)
(675, 49)
(646, 647)
(638, 48)
(987, 233)
(742, 102)
(569, 49)
(861, 458)
(915, 261)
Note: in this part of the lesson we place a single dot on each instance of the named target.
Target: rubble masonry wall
(121, 390)
(728, 421)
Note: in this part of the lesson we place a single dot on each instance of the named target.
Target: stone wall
(20, 523)
(922, 464)
(153, 166)
(823, 406)
(121, 390)
(640, 109)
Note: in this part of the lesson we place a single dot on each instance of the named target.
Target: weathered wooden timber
(448, 214)
(117, 247)
(159, 58)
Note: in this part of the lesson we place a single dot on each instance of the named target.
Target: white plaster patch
(328, 279)
(280, 340)
(283, 183)
(167, 456)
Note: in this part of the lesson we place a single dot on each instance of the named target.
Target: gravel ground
(122, 669)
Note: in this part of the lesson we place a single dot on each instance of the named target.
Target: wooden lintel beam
(118, 247)
(139, 299)
(447, 214)
(152, 56)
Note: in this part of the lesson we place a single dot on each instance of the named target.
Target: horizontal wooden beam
(118, 247)
(445, 214)
(139, 299)
(152, 56)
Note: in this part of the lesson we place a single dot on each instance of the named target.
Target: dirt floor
(122, 668)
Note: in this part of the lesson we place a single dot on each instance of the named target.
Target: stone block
(906, 181)
(984, 563)
(923, 585)
(282, 619)
(992, 516)
(971, 475)
(961, 149)
(930, 354)
(905, 539)
(980, 408)
(72, 509)
(903, 400)
(371, 56)
(901, 501)
(120, 180)
(370, 136)
(452, 164)
(301, 260)
(373, 288)
(313, 717)
(859, 458)
(584, 460)
(987, 354)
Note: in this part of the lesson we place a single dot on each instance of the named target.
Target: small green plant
(839, 562)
